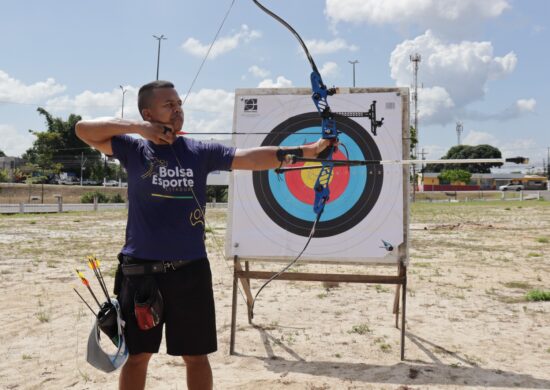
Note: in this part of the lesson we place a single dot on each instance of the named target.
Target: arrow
(94, 263)
(86, 303)
(87, 284)
(294, 159)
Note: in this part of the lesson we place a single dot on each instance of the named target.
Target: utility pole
(415, 59)
(353, 64)
(159, 39)
(123, 93)
(548, 164)
(459, 130)
(82, 162)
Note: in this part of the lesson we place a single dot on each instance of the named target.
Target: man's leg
(134, 372)
(199, 373)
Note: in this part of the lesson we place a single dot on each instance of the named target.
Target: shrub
(117, 198)
(538, 295)
(88, 197)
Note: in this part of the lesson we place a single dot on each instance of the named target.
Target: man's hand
(158, 133)
(320, 148)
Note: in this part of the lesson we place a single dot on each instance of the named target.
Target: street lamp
(158, 54)
(353, 64)
(123, 92)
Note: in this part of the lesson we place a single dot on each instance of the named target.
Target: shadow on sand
(408, 372)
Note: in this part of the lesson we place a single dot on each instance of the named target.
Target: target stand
(245, 275)
(365, 221)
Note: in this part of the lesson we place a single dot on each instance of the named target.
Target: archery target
(271, 215)
(288, 198)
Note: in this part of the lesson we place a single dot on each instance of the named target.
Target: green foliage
(360, 329)
(538, 295)
(413, 141)
(218, 193)
(117, 198)
(58, 148)
(4, 176)
(466, 152)
(88, 197)
(2, 154)
(455, 175)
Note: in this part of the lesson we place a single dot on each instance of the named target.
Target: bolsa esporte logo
(176, 179)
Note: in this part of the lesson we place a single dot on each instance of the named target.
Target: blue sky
(483, 62)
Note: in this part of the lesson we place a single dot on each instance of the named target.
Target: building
(10, 164)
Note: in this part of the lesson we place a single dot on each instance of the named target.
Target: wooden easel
(244, 275)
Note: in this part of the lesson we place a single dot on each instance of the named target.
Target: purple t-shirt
(165, 221)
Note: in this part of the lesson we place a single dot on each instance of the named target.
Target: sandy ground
(469, 325)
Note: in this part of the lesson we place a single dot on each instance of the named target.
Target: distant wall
(22, 193)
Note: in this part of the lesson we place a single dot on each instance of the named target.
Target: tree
(455, 175)
(468, 152)
(413, 141)
(58, 148)
(2, 154)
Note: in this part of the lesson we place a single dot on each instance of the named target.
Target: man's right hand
(158, 133)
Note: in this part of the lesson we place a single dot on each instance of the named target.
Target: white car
(111, 183)
(511, 187)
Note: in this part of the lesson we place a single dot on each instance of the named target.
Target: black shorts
(189, 313)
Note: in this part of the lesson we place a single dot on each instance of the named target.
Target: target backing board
(366, 218)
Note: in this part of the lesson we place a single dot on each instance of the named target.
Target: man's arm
(98, 132)
(265, 157)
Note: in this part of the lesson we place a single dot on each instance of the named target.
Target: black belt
(132, 266)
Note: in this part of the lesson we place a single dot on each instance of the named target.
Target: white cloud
(222, 45)
(329, 69)
(15, 142)
(13, 90)
(425, 13)
(479, 138)
(318, 47)
(209, 110)
(281, 82)
(456, 74)
(258, 72)
(93, 104)
(210, 100)
(515, 147)
(526, 105)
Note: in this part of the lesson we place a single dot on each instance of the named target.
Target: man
(167, 195)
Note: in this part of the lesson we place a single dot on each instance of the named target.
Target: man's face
(165, 108)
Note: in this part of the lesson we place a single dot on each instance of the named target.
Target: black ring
(347, 220)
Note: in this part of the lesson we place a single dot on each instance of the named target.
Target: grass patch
(360, 329)
(543, 240)
(538, 295)
(533, 254)
(520, 285)
(42, 316)
(422, 264)
(381, 289)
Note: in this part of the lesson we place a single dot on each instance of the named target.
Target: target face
(288, 198)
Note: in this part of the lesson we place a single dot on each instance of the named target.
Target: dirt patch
(469, 325)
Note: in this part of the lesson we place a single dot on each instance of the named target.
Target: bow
(320, 94)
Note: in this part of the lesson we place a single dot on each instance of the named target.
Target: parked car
(68, 181)
(89, 182)
(511, 187)
(111, 183)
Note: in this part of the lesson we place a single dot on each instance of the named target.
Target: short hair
(146, 92)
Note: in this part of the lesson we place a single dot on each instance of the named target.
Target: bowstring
(201, 209)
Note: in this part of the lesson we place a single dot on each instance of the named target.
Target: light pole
(353, 64)
(123, 92)
(158, 54)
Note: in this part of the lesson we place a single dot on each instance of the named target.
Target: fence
(60, 207)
